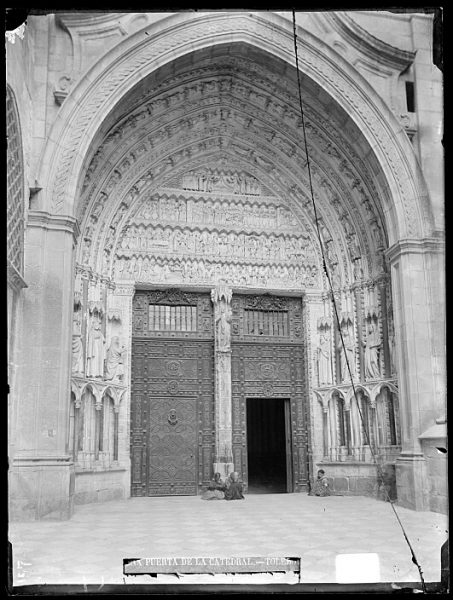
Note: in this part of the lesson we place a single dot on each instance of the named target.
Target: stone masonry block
(341, 484)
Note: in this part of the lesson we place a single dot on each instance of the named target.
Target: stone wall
(437, 477)
(434, 445)
(360, 479)
(100, 486)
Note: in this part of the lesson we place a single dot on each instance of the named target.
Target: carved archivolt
(119, 181)
(405, 186)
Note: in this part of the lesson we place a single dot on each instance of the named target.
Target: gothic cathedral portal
(180, 427)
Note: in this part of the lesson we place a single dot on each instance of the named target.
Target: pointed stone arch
(406, 211)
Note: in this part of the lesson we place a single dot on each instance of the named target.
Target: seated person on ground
(215, 490)
(233, 487)
(321, 486)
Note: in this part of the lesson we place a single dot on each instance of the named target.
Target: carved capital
(415, 246)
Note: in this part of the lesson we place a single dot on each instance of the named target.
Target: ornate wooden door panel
(172, 408)
(172, 446)
(268, 362)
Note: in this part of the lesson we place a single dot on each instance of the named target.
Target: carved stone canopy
(324, 323)
(96, 307)
(372, 312)
(221, 292)
(114, 315)
(346, 318)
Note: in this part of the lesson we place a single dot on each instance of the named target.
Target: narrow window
(410, 96)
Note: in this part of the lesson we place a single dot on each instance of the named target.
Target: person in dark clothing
(215, 489)
(321, 487)
(234, 488)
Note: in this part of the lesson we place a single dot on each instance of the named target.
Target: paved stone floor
(89, 548)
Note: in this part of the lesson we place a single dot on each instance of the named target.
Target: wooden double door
(172, 399)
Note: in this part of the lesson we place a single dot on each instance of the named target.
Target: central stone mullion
(223, 460)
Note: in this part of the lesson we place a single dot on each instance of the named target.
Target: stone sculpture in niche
(324, 359)
(77, 354)
(77, 344)
(95, 348)
(114, 364)
(349, 356)
(391, 340)
(372, 345)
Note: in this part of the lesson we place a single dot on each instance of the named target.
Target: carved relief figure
(223, 327)
(372, 346)
(221, 296)
(114, 365)
(391, 339)
(77, 354)
(77, 344)
(349, 356)
(95, 349)
(324, 360)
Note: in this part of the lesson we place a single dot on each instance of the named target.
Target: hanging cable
(326, 271)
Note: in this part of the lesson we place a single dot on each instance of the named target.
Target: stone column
(418, 291)
(41, 476)
(120, 300)
(223, 460)
(325, 426)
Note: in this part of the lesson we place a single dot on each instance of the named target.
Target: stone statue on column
(223, 323)
(349, 356)
(95, 348)
(221, 297)
(77, 344)
(391, 346)
(114, 364)
(324, 359)
(372, 345)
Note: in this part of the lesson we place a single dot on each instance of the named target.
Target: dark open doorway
(269, 445)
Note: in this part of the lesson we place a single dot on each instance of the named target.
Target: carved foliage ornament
(172, 296)
(266, 303)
